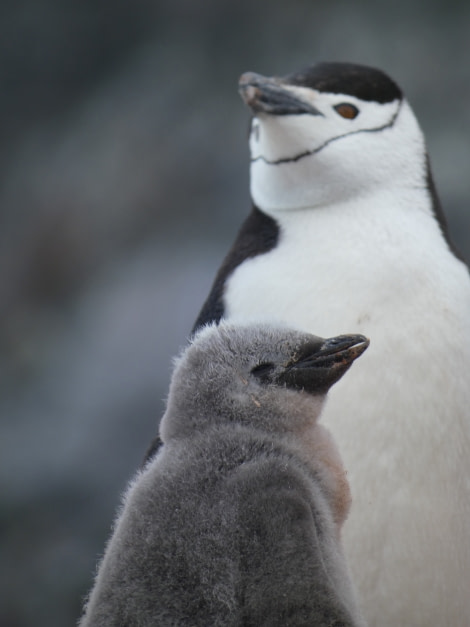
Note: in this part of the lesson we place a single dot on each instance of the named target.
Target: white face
(306, 160)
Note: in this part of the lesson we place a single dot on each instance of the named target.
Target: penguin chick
(236, 520)
(347, 232)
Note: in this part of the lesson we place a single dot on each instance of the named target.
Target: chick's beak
(315, 369)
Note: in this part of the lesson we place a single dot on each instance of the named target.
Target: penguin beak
(315, 369)
(269, 95)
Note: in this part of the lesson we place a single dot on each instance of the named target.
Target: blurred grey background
(124, 176)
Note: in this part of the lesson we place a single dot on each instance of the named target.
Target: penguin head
(329, 133)
(272, 378)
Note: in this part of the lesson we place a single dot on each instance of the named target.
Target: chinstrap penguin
(237, 519)
(346, 232)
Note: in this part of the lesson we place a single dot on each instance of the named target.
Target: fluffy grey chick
(236, 521)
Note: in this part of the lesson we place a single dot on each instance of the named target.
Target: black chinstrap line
(307, 153)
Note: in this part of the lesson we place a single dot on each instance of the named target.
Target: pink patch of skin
(320, 450)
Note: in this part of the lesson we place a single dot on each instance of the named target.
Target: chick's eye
(262, 371)
(346, 110)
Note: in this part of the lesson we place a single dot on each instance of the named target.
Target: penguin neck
(377, 209)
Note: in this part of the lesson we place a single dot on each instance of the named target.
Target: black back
(439, 212)
(258, 234)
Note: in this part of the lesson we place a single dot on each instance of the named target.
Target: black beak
(315, 369)
(269, 95)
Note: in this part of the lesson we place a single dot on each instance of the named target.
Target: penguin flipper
(289, 575)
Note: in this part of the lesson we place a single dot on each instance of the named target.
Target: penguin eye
(346, 110)
(262, 371)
